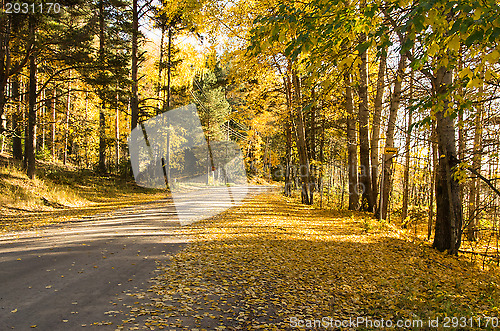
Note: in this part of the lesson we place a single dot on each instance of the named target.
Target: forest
(352, 148)
(386, 107)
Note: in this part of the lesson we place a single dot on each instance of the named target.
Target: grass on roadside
(271, 260)
(59, 193)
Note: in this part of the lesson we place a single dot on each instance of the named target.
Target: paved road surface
(73, 275)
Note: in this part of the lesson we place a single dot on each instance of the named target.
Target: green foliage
(209, 93)
(108, 70)
(44, 154)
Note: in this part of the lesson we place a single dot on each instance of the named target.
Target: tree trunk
(432, 193)
(448, 233)
(321, 160)
(367, 203)
(169, 65)
(288, 133)
(43, 122)
(117, 134)
(169, 73)
(301, 143)
(161, 101)
(352, 146)
(134, 101)
(66, 129)
(476, 165)
(406, 174)
(461, 133)
(17, 123)
(5, 59)
(102, 116)
(31, 141)
(311, 134)
(389, 140)
(53, 133)
(86, 133)
(378, 102)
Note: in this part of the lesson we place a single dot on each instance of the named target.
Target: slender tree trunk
(389, 140)
(102, 116)
(169, 73)
(169, 65)
(476, 164)
(17, 123)
(449, 206)
(117, 134)
(134, 101)
(53, 133)
(432, 193)
(288, 133)
(5, 59)
(161, 101)
(311, 135)
(378, 102)
(365, 180)
(43, 122)
(66, 129)
(352, 146)
(86, 133)
(406, 174)
(301, 142)
(461, 133)
(102, 139)
(31, 141)
(321, 160)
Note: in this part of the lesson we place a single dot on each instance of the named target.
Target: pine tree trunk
(365, 180)
(378, 102)
(134, 102)
(17, 123)
(169, 74)
(102, 116)
(66, 128)
(169, 65)
(31, 141)
(117, 135)
(352, 146)
(448, 233)
(53, 133)
(5, 22)
(389, 140)
(43, 122)
(86, 134)
(161, 101)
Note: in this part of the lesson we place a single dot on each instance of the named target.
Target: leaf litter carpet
(274, 261)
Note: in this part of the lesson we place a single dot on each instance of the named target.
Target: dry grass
(59, 193)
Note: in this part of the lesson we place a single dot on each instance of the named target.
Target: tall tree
(352, 146)
(389, 140)
(304, 166)
(30, 144)
(474, 201)
(365, 178)
(377, 113)
(134, 98)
